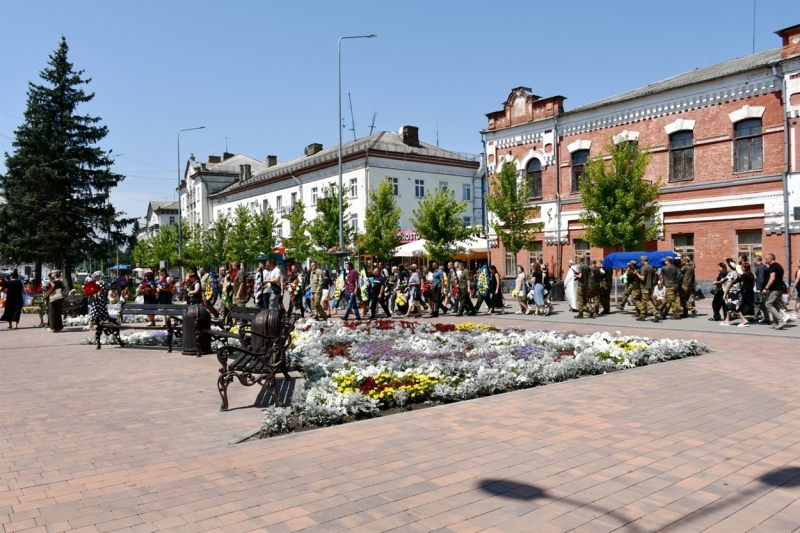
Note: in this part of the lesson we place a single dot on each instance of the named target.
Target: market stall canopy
(411, 249)
(119, 267)
(621, 259)
(475, 245)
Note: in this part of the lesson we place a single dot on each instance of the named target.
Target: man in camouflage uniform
(646, 275)
(605, 289)
(317, 278)
(671, 296)
(594, 289)
(635, 288)
(629, 279)
(582, 275)
(687, 286)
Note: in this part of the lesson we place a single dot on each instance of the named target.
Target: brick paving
(132, 440)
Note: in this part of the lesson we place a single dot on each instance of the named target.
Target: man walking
(317, 278)
(462, 283)
(583, 274)
(774, 289)
(636, 288)
(628, 280)
(272, 290)
(671, 298)
(646, 275)
(352, 285)
(594, 289)
(761, 275)
(239, 285)
(437, 279)
(687, 286)
(605, 289)
(377, 293)
(260, 293)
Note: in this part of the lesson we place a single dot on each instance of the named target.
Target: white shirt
(274, 277)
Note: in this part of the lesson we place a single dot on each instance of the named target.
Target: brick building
(723, 140)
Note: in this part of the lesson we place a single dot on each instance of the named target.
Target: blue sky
(263, 74)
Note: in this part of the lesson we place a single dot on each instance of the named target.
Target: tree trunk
(37, 275)
(66, 274)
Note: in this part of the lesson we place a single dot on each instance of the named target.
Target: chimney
(313, 148)
(226, 156)
(247, 173)
(214, 159)
(241, 173)
(791, 41)
(272, 160)
(410, 136)
(202, 166)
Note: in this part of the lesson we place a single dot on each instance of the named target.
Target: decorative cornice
(747, 111)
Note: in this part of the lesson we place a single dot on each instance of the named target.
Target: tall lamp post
(341, 253)
(180, 210)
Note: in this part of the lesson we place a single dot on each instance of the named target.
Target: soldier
(605, 289)
(646, 275)
(687, 286)
(594, 289)
(629, 279)
(636, 288)
(583, 275)
(316, 279)
(671, 297)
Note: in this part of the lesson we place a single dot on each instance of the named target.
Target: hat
(631, 263)
(732, 264)
(96, 273)
(643, 258)
(668, 258)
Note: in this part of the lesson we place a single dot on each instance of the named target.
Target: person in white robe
(571, 287)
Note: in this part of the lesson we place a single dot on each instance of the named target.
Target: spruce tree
(58, 179)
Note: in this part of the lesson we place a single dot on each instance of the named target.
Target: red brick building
(723, 140)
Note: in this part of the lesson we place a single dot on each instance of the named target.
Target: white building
(158, 214)
(412, 166)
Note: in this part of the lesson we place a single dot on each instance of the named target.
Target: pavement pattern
(131, 439)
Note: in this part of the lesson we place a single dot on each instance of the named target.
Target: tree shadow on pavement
(514, 490)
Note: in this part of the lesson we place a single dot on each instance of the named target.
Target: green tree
(298, 243)
(619, 205)
(193, 252)
(381, 236)
(58, 179)
(238, 248)
(142, 255)
(215, 242)
(263, 239)
(508, 201)
(439, 220)
(324, 230)
(164, 245)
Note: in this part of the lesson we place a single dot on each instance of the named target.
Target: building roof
(159, 206)
(230, 166)
(698, 75)
(385, 141)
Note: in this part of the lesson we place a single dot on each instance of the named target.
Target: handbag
(27, 299)
(716, 289)
(56, 295)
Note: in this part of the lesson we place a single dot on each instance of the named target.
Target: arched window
(533, 173)
(579, 159)
(748, 145)
(681, 156)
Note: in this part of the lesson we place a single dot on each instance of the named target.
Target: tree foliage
(439, 220)
(508, 201)
(263, 239)
(324, 229)
(215, 242)
(619, 205)
(298, 243)
(238, 248)
(381, 236)
(58, 179)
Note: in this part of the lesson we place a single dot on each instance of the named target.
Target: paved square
(132, 440)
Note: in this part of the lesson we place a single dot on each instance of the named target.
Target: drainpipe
(483, 199)
(299, 186)
(786, 227)
(558, 197)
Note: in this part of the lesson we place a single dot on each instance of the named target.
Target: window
(748, 149)
(395, 185)
(354, 221)
(229, 211)
(443, 185)
(278, 203)
(684, 244)
(533, 173)
(535, 252)
(313, 196)
(681, 156)
(264, 206)
(580, 251)
(325, 192)
(294, 199)
(171, 220)
(579, 159)
(419, 188)
(468, 221)
(353, 187)
(749, 244)
(280, 232)
(466, 192)
(510, 264)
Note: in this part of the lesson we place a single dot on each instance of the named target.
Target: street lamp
(341, 252)
(180, 210)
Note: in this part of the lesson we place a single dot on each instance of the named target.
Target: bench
(250, 366)
(74, 305)
(173, 326)
(244, 317)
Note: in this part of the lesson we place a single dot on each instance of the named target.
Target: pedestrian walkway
(131, 439)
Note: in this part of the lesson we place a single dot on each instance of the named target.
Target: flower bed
(355, 370)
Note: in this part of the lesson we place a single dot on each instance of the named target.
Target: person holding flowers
(192, 288)
(96, 291)
(165, 288)
(147, 290)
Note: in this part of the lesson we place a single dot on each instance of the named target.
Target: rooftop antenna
(754, 26)
(372, 126)
(352, 120)
(226, 144)
(437, 132)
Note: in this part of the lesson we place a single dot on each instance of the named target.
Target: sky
(261, 76)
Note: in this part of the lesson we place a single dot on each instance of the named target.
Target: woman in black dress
(193, 290)
(55, 301)
(748, 290)
(13, 309)
(98, 302)
(719, 302)
(495, 300)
